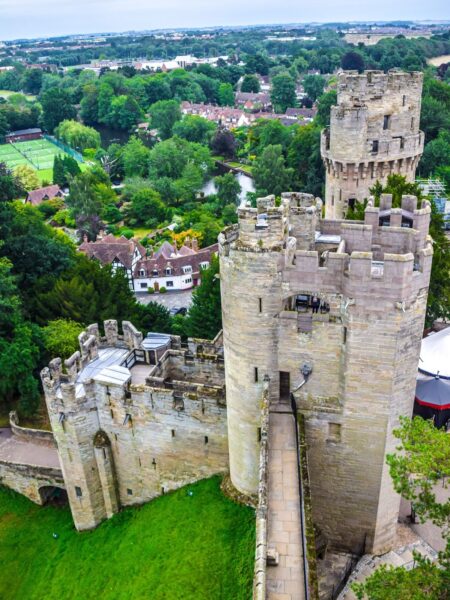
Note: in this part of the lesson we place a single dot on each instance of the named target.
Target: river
(436, 61)
(245, 182)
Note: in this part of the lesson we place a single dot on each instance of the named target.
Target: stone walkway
(284, 581)
(14, 450)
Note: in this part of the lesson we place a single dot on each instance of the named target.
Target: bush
(128, 233)
(48, 208)
(162, 290)
(151, 290)
(63, 218)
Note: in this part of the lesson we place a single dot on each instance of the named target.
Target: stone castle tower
(362, 345)
(374, 131)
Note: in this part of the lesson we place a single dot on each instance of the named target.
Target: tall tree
(228, 189)
(283, 92)
(204, 319)
(270, 173)
(164, 114)
(135, 157)
(352, 61)
(56, 106)
(226, 94)
(250, 83)
(313, 86)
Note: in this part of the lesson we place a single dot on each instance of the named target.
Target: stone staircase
(400, 557)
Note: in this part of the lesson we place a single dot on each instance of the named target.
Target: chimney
(101, 234)
(194, 244)
(85, 238)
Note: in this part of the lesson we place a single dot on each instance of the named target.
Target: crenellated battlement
(370, 86)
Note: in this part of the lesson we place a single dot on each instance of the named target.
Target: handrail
(302, 503)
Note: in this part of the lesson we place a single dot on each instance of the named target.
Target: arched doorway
(51, 494)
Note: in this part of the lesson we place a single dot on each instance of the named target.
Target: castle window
(259, 434)
(127, 419)
(344, 339)
(404, 101)
(334, 432)
(412, 122)
(260, 304)
(206, 439)
(154, 463)
(78, 492)
(173, 432)
(375, 146)
(256, 374)
(129, 492)
(386, 121)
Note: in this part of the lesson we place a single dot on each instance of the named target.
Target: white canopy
(435, 354)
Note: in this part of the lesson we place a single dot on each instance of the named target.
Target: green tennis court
(38, 154)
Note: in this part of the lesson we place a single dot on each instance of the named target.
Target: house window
(204, 265)
(155, 273)
(142, 273)
(386, 121)
(187, 269)
(169, 283)
(168, 271)
(78, 492)
(144, 285)
(188, 280)
(375, 146)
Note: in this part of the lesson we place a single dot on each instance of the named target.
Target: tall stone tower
(374, 131)
(362, 343)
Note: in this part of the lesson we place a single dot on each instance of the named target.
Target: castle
(345, 302)
(373, 132)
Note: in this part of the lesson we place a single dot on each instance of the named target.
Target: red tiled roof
(110, 248)
(162, 259)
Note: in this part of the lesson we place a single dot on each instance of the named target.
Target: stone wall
(123, 443)
(28, 479)
(37, 436)
(363, 352)
(260, 576)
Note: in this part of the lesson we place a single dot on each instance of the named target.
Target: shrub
(162, 290)
(63, 218)
(128, 233)
(151, 290)
(50, 207)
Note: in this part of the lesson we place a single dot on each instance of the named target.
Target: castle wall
(29, 479)
(374, 132)
(122, 444)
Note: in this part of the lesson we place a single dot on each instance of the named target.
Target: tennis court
(38, 154)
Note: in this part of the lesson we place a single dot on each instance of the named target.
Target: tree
(352, 61)
(270, 173)
(164, 115)
(422, 462)
(56, 107)
(195, 129)
(313, 86)
(19, 350)
(250, 84)
(283, 93)
(305, 160)
(61, 338)
(135, 157)
(204, 318)
(4, 127)
(326, 101)
(27, 177)
(58, 171)
(147, 209)
(85, 204)
(436, 154)
(10, 186)
(78, 136)
(228, 189)
(226, 94)
(125, 113)
(434, 118)
(224, 143)
(32, 81)
(153, 317)
(89, 104)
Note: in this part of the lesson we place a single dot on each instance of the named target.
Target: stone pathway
(285, 580)
(14, 450)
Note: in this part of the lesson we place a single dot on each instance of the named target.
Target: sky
(40, 18)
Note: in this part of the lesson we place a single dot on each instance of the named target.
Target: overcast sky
(34, 18)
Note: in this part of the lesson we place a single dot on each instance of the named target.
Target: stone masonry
(374, 131)
(362, 345)
(128, 430)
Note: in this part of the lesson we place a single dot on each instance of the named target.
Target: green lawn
(177, 547)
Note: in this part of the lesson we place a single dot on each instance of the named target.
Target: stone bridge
(29, 464)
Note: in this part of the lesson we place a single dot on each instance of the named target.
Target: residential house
(172, 268)
(35, 197)
(24, 135)
(253, 102)
(119, 252)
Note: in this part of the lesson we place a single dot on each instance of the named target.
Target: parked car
(177, 310)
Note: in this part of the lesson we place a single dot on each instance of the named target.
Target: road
(15, 450)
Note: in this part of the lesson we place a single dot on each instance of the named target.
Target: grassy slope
(177, 547)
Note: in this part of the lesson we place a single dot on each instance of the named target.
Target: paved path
(18, 451)
(284, 581)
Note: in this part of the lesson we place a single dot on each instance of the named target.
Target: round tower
(251, 296)
(374, 132)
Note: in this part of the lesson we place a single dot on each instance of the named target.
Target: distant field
(6, 93)
(436, 61)
(38, 154)
(181, 546)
